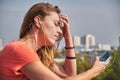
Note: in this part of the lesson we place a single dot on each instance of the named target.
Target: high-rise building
(103, 47)
(88, 40)
(76, 40)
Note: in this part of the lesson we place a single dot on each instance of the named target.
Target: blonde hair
(46, 53)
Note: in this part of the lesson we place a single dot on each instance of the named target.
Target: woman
(31, 57)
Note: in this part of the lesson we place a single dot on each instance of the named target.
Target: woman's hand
(65, 25)
(99, 66)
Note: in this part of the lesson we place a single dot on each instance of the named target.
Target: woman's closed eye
(57, 23)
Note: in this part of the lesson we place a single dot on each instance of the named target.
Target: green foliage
(80, 66)
(83, 63)
(57, 54)
(87, 61)
(113, 70)
(111, 73)
(63, 51)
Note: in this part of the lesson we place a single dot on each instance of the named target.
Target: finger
(64, 17)
(64, 21)
(97, 58)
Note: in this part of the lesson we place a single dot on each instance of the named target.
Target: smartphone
(105, 55)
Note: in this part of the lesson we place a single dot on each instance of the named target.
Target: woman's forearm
(87, 75)
(70, 64)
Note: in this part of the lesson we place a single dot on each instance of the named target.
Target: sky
(100, 18)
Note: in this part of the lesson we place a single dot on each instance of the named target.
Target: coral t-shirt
(13, 57)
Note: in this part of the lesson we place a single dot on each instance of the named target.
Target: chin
(51, 43)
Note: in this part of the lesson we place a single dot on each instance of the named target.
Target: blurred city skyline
(100, 18)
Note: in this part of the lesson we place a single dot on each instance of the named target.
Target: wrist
(72, 47)
(68, 41)
(67, 57)
(94, 72)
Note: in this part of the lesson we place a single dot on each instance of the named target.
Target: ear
(37, 21)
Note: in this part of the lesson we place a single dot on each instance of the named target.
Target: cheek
(49, 29)
(50, 33)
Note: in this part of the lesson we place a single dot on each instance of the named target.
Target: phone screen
(105, 55)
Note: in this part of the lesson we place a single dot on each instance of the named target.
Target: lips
(56, 36)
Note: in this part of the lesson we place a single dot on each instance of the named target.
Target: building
(103, 47)
(76, 40)
(87, 43)
(88, 40)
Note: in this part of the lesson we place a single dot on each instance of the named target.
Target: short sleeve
(23, 55)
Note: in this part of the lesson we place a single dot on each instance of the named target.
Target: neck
(32, 41)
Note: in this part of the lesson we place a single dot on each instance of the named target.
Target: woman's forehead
(53, 16)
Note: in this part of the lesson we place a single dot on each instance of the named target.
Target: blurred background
(95, 26)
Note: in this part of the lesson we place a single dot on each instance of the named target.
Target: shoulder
(21, 52)
(18, 46)
(21, 49)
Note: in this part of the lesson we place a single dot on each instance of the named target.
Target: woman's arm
(70, 64)
(98, 68)
(37, 71)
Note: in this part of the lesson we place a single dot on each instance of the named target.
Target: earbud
(39, 24)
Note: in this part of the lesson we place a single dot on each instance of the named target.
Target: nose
(60, 32)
